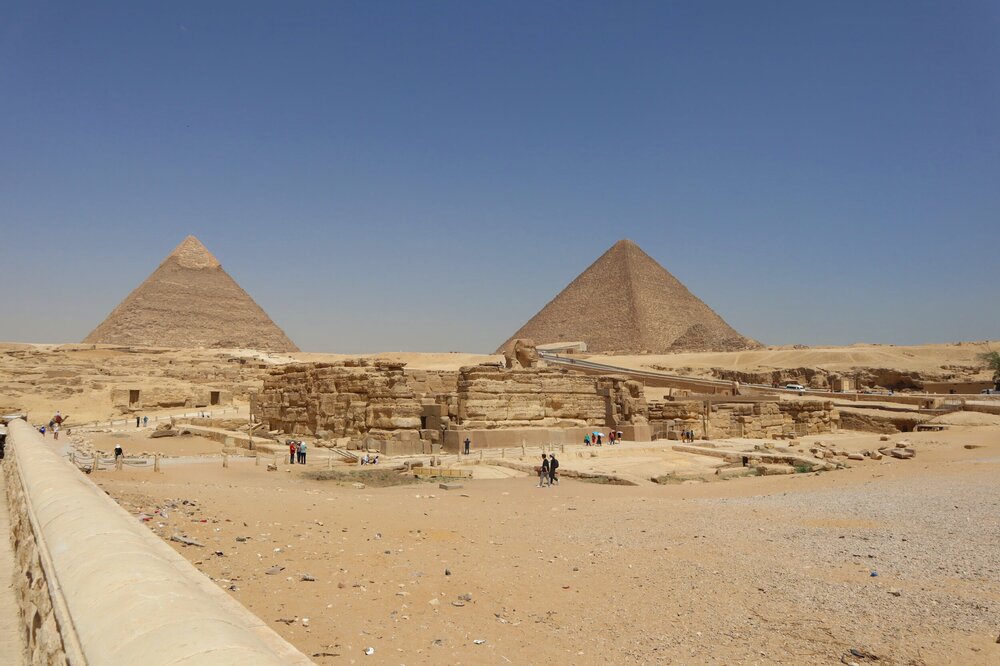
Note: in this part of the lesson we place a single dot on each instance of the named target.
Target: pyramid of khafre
(626, 302)
(189, 301)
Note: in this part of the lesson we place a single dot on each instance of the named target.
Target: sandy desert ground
(959, 357)
(749, 571)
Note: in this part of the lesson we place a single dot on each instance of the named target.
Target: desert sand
(941, 360)
(749, 571)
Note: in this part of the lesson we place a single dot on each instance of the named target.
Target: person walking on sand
(292, 450)
(137, 419)
(118, 451)
(468, 443)
(553, 466)
(145, 421)
(586, 440)
(543, 471)
(302, 453)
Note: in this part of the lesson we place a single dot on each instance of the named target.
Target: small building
(841, 384)
(132, 398)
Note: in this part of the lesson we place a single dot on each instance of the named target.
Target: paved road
(12, 650)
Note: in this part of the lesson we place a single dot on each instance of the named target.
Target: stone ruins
(730, 417)
(383, 406)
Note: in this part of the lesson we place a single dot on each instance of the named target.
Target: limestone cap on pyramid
(191, 253)
(189, 301)
(627, 302)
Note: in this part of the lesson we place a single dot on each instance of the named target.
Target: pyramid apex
(625, 244)
(191, 253)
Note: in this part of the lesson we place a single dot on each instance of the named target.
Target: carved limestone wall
(382, 401)
(347, 399)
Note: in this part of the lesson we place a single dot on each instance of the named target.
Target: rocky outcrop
(346, 399)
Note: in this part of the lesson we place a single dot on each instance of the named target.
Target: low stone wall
(97, 588)
(760, 419)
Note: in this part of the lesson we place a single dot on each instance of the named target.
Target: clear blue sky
(427, 175)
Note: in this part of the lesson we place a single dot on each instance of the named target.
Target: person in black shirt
(543, 471)
(553, 466)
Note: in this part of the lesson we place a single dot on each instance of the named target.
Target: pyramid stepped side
(671, 318)
(596, 307)
(190, 301)
(626, 302)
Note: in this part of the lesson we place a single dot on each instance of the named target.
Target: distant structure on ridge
(626, 302)
(190, 301)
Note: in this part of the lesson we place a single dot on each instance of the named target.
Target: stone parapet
(98, 588)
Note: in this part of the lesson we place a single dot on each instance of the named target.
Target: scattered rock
(185, 540)
(308, 578)
(274, 570)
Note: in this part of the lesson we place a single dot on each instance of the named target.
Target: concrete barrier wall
(96, 587)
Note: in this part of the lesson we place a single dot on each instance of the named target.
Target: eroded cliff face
(819, 378)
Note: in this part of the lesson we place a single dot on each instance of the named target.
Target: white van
(795, 387)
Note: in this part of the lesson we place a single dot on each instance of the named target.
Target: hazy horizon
(400, 177)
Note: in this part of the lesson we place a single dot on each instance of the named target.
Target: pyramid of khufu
(626, 302)
(189, 301)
